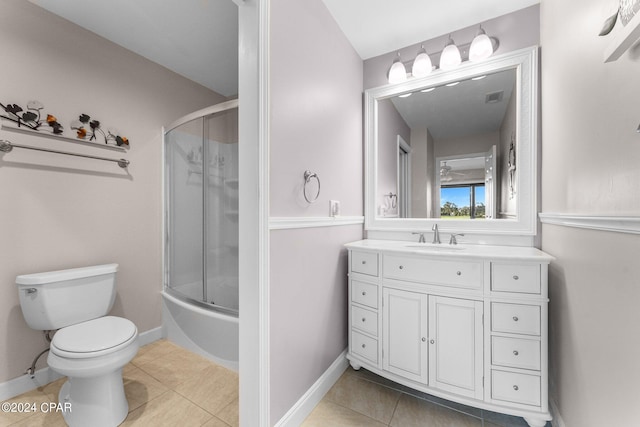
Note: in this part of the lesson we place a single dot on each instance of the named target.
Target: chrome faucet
(436, 234)
(421, 238)
(452, 240)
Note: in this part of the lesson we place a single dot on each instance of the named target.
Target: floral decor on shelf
(86, 129)
(111, 135)
(32, 117)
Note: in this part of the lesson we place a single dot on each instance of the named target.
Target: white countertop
(514, 253)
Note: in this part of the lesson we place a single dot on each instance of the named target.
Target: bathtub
(206, 332)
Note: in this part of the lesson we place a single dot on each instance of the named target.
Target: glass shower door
(185, 209)
(202, 209)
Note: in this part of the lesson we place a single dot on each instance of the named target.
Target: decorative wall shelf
(623, 39)
(27, 131)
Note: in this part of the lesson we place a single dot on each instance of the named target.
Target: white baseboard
(147, 337)
(25, 383)
(44, 376)
(557, 420)
(303, 407)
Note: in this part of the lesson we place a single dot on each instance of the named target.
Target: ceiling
(199, 38)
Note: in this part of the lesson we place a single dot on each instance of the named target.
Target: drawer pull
(515, 318)
(400, 267)
(516, 388)
(364, 262)
(515, 352)
(515, 277)
(459, 273)
(364, 345)
(364, 293)
(363, 319)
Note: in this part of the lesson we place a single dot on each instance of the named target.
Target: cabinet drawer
(515, 318)
(364, 346)
(365, 320)
(463, 274)
(364, 263)
(515, 278)
(515, 353)
(516, 388)
(364, 293)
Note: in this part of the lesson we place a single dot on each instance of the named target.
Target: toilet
(90, 348)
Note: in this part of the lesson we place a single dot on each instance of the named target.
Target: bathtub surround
(590, 157)
(68, 212)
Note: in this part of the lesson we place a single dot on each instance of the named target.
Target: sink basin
(436, 248)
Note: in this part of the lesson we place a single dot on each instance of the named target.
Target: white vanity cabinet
(465, 323)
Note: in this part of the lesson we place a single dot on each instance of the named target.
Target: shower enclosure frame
(203, 113)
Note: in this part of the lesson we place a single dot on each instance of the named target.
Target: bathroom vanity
(467, 323)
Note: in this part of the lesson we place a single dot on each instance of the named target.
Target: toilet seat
(94, 338)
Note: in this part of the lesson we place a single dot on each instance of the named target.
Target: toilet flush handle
(30, 291)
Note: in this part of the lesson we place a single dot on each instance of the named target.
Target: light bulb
(481, 47)
(397, 73)
(450, 57)
(422, 64)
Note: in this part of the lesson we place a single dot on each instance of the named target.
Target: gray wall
(62, 212)
(315, 124)
(590, 158)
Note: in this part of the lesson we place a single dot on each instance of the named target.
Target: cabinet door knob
(515, 277)
(515, 352)
(424, 339)
(516, 388)
(364, 345)
(515, 318)
(400, 267)
(364, 319)
(459, 273)
(364, 262)
(364, 293)
(432, 341)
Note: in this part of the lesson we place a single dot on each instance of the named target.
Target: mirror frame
(525, 61)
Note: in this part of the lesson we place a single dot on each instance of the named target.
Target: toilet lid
(94, 335)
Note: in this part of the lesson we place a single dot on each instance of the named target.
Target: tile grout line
(395, 408)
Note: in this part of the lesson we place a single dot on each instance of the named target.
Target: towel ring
(307, 177)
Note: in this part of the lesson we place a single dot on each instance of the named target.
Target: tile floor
(169, 386)
(165, 386)
(363, 399)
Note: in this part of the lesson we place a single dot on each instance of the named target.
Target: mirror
(443, 148)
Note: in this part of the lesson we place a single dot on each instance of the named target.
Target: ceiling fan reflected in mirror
(447, 172)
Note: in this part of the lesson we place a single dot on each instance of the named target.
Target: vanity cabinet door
(404, 330)
(456, 345)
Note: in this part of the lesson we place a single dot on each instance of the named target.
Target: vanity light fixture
(481, 46)
(450, 57)
(397, 72)
(422, 64)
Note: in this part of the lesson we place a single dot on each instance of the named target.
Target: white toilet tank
(56, 299)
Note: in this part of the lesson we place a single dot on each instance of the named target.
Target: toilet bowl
(92, 354)
(89, 347)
